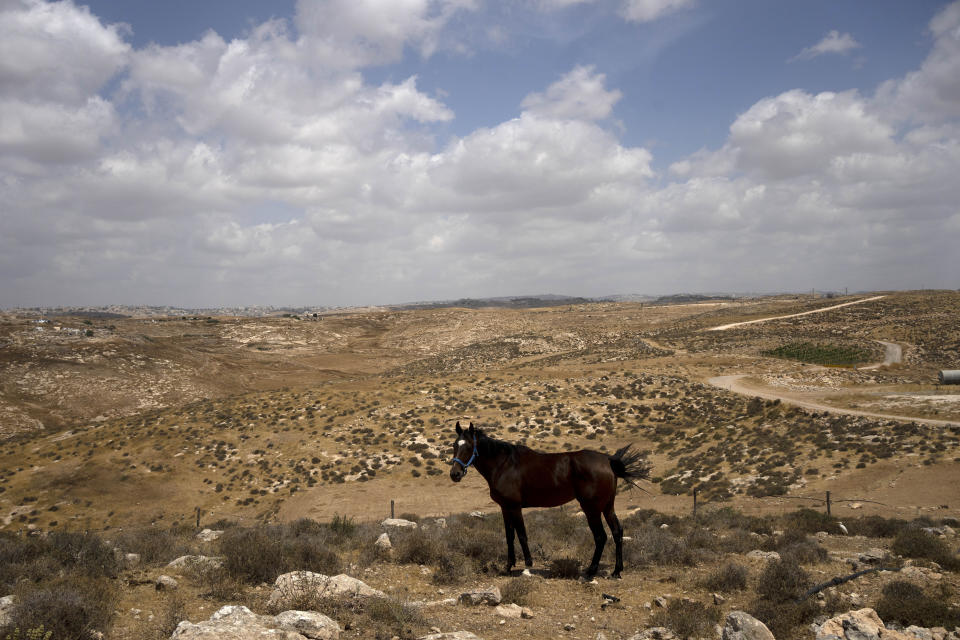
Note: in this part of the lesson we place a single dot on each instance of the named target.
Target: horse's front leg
(522, 536)
(508, 526)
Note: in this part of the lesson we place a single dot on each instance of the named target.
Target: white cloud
(580, 94)
(650, 10)
(832, 43)
(932, 92)
(56, 51)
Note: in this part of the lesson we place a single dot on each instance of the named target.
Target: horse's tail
(630, 465)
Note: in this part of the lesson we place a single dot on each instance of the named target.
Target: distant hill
(509, 302)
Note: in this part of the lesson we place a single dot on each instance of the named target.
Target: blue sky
(372, 151)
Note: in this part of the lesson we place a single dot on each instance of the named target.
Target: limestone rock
(6, 609)
(209, 535)
(234, 623)
(165, 583)
(481, 596)
(297, 584)
(310, 624)
(757, 554)
(740, 625)
(130, 560)
(383, 542)
(186, 562)
(509, 610)
(872, 556)
(398, 524)
(862, 624)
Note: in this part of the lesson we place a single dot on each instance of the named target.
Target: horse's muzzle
(456, 474)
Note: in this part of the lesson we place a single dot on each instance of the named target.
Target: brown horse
(521, 477)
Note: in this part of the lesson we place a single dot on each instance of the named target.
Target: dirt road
(737, 384)
(724, 327)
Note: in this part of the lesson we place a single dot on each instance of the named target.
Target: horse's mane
(491, 447)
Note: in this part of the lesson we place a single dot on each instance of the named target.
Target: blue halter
(470, 461)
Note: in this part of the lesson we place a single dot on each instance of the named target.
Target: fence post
(198, 517)
(695, 501)
(391, 509)
(828, 503)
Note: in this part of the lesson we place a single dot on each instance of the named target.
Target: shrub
(876, 526)
(71, 607)
(917, 543)
(451, 568)
(518, 590)
(779, 587)
(564, 567)
(687, 618)
(155, 546)
(419, 547)
(905, 603)
(391, 617)
(260, 554)
(655, 546)
(730, 577)
(810, 521)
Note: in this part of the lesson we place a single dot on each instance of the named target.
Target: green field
(827, 354)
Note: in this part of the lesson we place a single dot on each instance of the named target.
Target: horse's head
(464, 451)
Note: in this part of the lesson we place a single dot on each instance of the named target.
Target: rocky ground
(119, 423)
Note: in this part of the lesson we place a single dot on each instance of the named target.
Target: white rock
(383, 542)
(234, 622)
(165, 583)
(740, 625)
(511, 610)
(209, 535)
(6, 609)
(481, 596)
(398, 524)
(310, 624)
(451, 635)
(295, 584)
(184, 562)
(757, 554)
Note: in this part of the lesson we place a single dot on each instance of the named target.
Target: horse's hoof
(526, 572)
(616, 576)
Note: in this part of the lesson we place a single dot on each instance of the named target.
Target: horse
(520, 477)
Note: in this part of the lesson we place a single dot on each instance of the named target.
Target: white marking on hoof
(526, 572)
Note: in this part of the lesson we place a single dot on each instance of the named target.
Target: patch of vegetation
(518, 590)
(687, 618)
(914, 542)
(820, 353)
(779, 587)
(732, 576)
(260, 554)
(905, 603)
(565, 568)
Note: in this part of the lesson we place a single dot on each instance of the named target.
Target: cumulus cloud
(252, 171)
(832, 43)
(580, 94)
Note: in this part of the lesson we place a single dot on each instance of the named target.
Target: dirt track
(724, 327)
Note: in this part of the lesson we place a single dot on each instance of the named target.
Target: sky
(359, 152)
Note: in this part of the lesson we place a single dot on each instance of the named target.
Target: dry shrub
(913, 542)
(170, 613)
(451, 568)
(687, 618)
(780, 586)
(155, 546)
(730, 577)
(905, 603)
(565, 568)
(810, 521)
(654, 546)
(419, 547)
(518, 590)
(389, 617)
(260, 554)
(876, 526)
(72, 607)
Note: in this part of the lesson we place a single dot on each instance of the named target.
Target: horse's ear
(459, 428)
(472, 430)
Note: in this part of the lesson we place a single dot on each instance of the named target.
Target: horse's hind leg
(599, 539)
(614, 523)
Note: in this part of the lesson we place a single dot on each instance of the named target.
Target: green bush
(811, 521)
(876, 526)
(655, 546)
